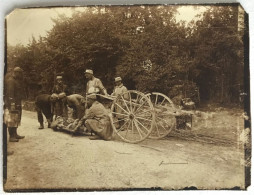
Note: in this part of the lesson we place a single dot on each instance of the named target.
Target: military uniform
(59, 108)
(120, 90)
(13, 94)
(95, 86)
(43, 106)
(97, 121)
(76, 102)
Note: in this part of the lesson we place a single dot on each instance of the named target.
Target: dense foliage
(145, 46)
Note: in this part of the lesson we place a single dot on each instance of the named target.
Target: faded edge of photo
(247, 119)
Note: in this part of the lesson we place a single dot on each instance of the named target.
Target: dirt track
(46, 159)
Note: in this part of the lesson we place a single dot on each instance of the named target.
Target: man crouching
(96, 119)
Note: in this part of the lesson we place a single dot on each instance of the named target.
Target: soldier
(59, 92)
(43, 106)
(96, 119)
(94, 85)
(120, 89)
(14, 93)
(77, 103)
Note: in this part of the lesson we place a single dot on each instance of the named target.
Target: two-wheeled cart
(136, 116)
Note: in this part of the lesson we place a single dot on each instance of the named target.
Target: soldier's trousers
(46, 111)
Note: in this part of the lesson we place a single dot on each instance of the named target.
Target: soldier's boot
(18, 136)
(41, 126)
(12, 137)
(49, 123)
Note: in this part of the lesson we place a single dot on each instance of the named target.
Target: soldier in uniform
(43, 107)
(96, 119)
(77, 103)
(120, 89)
(14, 93)
(59, 107)
(94, 85)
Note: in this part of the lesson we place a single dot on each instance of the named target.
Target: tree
(217, 52)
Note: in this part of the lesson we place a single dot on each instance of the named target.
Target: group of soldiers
(87, 112)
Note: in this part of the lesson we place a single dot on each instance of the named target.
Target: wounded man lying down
(96, 120)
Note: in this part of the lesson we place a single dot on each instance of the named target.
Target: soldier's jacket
(119, 90)
(59, 89)
(43, 101)
(97, 120)
(96, 85)
(59, 108)
(44, 104)
(14, 92)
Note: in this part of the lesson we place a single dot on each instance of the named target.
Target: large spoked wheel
(164, 115)
(133, 116)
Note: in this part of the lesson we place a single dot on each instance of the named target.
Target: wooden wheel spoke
(143, 111)
(123, 126)
(156, 99)
(130, 101)
(121, 120)
(127, 129)
(140, 106)
(163, 120)
(141, 125)
(121, 108)
(138, 129)
(138, 96)
(163, 127)
(157, 129)
(125, 103)
(149, 97)
(143, 118)
(120, 114)
(162, 101)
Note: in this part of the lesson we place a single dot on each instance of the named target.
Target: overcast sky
(22, 24)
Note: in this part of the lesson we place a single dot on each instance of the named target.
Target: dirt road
(46, 159)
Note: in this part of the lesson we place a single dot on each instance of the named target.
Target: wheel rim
(164, 115)
(134, 112)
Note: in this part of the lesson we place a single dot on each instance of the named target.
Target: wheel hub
(131, 116)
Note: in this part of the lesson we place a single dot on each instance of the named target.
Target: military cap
(18, 69)
(89, 71)
(59, 77)
(118, 79)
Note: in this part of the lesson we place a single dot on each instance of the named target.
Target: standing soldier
(14, 93)
(94, 85)
(59, 93)
(120, 89)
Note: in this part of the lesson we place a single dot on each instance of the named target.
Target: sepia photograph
(127, 97)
